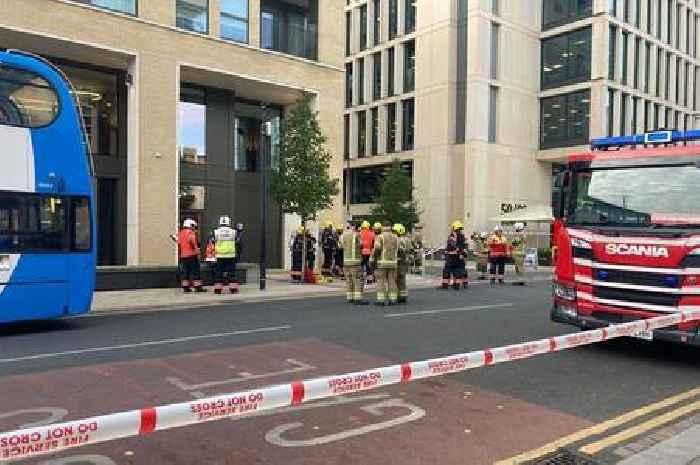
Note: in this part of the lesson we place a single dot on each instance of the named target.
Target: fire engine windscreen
(640, 196)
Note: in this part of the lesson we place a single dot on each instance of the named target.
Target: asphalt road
(101, 364)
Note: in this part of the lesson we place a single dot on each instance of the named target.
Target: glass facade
(393, 19)
(565, 120)
(409, 116)
(234, 20)
(363, 27)
(192, 126)
(391, 128)
(290, 27)
(361, 134)
(377, 22)
(410, 16)
(193, 15)
(348, 84)
(375, 131)
(566, 59)
(361, 81)
(391, 79)
(559, 12)
(122, 6)
(366, 181)
(409, 75)
(377, 76)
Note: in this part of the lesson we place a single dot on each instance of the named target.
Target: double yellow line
(622, 436)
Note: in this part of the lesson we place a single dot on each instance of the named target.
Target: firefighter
(452, 273)
(351, 245)
(463, 254)
(225, 249)
(297, 248)
(310, 256)
(498, 251)
(518, 244)
(385, 262)
(188, 252)
(367, 237)
(328, 245)
(417, 249)
(338, 258)
(482, 254)
(405, 254)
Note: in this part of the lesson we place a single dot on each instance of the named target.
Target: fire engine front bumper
(567, 315)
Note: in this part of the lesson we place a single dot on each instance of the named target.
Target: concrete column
(214, 18)
(133, 165)
(331, 33)
(254, 15)
(159, 11)
(158, 168)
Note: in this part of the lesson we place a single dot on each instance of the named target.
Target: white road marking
(274, 436)
(448, 310)
(297, 367)
(142, 344)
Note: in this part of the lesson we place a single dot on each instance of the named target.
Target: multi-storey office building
(174, 94)
(481, 99)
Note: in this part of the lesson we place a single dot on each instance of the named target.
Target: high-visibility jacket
(225, 242)
(518, 244)
(187, 244)
(386, 251)
(405, 250)
(351, 245)
(498, 246)
(367, 237)
(210, 252)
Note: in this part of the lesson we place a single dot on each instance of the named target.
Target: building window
(361, 134)
(659, 21)
(461, 94)
(625, 50)
(612, 8)
(367, 181)
(409, 66)
(647, 66)
(247, 140)
(678, 80)
(98, 93)
(410, 16)
(122, 6)
(558, 12)
(346, 137)
(234, 20)
(495, 7)
(657, 116)
(612, 52)
(637, 61)
(348, 84)
(637, 13)
(565, 119)
(192, 126)
(290, 27)
(495, 29)
(611, 114)
(659, 60)
(377, 76)
(391, 128)
(390, 72)
(361, 81)
(407, 142)
(193, 15)
(566, 59)
(192, 198)
(635, 109)
(667, 88)
(348, 32)
(393, 19)
(669, 20)
(377, 22)
(623, 114)
(493, 117)
(647, 116)
(650, 12)
(626, 11)
(363, 27)
(375, 131)
(679, 11)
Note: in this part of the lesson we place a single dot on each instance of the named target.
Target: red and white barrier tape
(42, 440)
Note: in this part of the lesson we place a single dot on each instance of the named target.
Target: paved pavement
(623, 401)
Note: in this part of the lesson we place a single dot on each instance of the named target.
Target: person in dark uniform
(452, 273)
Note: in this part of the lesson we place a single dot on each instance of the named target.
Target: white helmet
(498, 228)
(519, 227)
(484, 235)
(189, 223)
(224, 221)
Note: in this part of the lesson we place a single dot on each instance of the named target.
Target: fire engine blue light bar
(657, 137)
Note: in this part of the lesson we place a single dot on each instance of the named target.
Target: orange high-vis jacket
(187, 244)
(210, 252)
(367, 237)
(498, 246)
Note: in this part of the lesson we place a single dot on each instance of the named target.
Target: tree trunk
(303, 251)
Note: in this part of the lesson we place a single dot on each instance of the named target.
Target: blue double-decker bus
(47, 223)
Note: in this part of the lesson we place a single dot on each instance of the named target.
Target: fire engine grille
(635, 277)
(563, 457)
(653, 298)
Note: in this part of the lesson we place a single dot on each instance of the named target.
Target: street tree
(303, 185)
(395, 201)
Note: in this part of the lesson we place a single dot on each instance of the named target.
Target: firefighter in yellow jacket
(351, 246)
(405, 253)
(385, 258)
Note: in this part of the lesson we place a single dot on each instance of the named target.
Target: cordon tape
(57, 437)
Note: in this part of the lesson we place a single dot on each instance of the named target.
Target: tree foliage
(302, 185)
(395, 200)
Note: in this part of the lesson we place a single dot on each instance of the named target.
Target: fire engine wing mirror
(562, 183)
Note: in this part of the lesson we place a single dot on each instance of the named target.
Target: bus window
(32, 223)
(26, 99)
(82, 231)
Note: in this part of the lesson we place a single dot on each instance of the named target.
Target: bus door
(34, 267)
